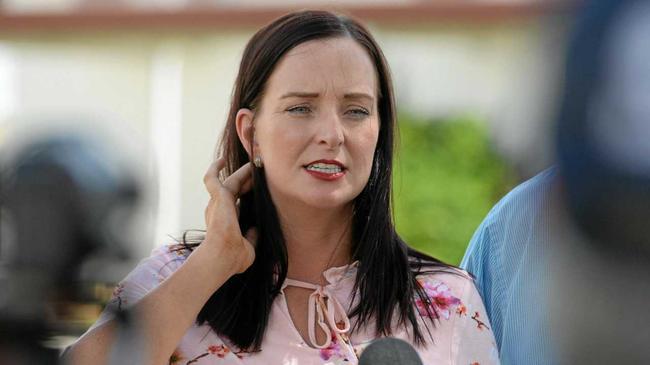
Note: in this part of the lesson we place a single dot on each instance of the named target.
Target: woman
(320, 272)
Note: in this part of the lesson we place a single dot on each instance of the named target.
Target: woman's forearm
(164, 314)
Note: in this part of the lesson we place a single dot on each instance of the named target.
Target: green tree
(447, 177)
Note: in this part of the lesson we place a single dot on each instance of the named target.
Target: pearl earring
(257, 161)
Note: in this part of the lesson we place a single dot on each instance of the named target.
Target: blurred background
(475, 80)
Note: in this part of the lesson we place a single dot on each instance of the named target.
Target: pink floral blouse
(462, 334)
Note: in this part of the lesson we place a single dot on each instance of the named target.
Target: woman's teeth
(325, 168)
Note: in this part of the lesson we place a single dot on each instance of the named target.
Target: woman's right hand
(221, 217)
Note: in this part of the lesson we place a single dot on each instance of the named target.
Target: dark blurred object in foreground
(600, 267)
(64, 197)
(604, 126)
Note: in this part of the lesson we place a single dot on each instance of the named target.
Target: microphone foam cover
(389, 350)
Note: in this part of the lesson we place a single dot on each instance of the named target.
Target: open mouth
(326, 170)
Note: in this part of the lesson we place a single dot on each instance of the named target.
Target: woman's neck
(316, 239)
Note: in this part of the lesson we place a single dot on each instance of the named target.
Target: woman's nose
(330, 132)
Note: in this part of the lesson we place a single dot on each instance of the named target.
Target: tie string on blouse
(323, 309)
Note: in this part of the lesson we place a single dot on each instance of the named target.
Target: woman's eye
(302, 109)
(358, 112)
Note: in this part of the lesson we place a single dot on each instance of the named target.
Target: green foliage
(447, 177)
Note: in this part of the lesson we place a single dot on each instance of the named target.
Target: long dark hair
(387, 270)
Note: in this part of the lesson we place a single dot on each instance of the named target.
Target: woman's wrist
(220, 255)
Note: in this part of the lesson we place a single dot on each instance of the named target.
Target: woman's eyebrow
(299, 94)
(302, 94)
(358, 96)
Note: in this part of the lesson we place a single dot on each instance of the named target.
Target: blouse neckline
(324, 309)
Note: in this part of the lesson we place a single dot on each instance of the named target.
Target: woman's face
(317, 126)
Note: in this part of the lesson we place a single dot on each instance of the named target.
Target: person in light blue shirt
(562, 262)
(506, 255)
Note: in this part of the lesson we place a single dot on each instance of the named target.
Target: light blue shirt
(507, 255)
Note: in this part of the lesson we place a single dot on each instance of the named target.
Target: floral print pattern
(461, 310)
(117, 296)
(479, 324)
(218, 351)
(441, 300)
(451, 299)
(334, 353)
(176, 358)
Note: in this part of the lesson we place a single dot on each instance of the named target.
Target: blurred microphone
(391, 351)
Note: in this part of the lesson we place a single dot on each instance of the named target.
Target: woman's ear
(245, 129)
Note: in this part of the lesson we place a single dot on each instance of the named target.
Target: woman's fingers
(211, 177)
(240, 181)
(222, 226)
(247, 185)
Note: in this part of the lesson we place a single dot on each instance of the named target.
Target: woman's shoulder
(174, 249)
(457, 306)
(152, 270)
(149, 273)
(454, 278)
(167, 258)
(177, 252)
(449, 290)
